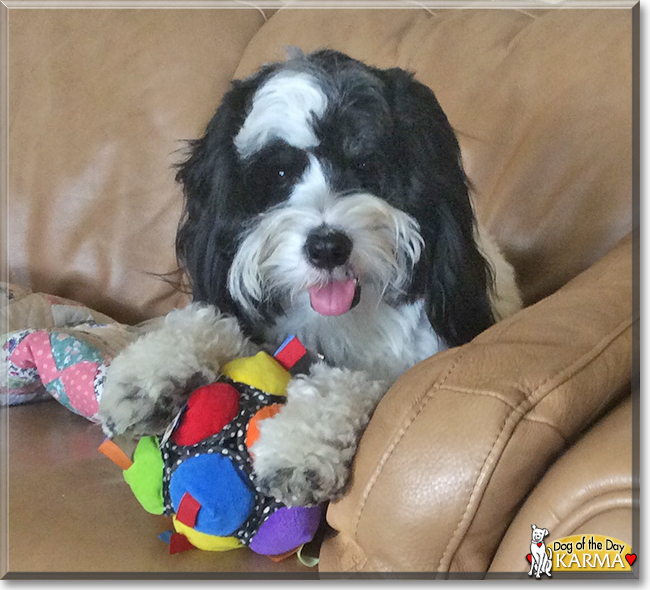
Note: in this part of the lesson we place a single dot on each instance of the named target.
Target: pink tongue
(335, 298)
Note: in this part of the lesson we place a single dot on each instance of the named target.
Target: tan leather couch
(532, 422)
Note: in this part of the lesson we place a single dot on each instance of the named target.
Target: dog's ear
(215, 202)
(545, 533)
(452, 277)
(533, 526)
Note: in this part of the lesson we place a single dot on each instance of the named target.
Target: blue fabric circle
(219, 487)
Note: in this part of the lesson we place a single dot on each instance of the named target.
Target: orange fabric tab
(253, 432)
(283, 556)
(115, 454)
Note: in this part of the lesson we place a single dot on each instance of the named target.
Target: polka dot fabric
(233, 506)
(59, 364)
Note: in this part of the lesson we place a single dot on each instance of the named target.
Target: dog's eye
(273, 170)
(286, 174)
(366, 166)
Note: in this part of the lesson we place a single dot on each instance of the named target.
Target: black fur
(452, 276)
(217, 201)
(383, 132)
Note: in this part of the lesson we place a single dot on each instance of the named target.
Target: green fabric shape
(57, 390)
(68, 350)
(145, 476)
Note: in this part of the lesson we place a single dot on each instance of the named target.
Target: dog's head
(538, 534)
(324, 183)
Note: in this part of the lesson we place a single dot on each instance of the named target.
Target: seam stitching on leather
(357, 561)
(400, 433)
(360, 564)
(532, 399)
(422, 6)
(476, 487)
(581, 362)
(480, 392)
(253, 5)
(553, 427)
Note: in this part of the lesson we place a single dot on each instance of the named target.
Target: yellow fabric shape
(261, 371)
(204, 541)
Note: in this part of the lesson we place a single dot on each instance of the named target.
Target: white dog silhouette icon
(540, 560)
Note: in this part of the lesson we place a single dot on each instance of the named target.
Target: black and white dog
(327, 199)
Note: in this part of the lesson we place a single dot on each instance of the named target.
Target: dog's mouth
(335, 297)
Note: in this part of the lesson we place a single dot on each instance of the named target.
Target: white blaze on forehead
(312, 190)
(283, 108)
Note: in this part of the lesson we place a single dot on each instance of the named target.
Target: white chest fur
(374, 337)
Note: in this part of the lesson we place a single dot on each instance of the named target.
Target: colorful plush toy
(200, 472)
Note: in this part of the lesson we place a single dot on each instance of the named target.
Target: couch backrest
(98, 103)
(541, 101)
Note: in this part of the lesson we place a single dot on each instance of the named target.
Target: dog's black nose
(327, 247)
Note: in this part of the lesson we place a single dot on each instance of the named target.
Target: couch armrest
(463, 437)
(591, 489)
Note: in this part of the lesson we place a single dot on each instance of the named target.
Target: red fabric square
(290, 353)
(209, 409)
(188, 510)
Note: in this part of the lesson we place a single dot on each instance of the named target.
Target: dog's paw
(149, 381)
(304, 453)
(147, 385)
(301, 479)
(141, 406)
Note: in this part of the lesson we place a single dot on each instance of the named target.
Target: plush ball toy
(200, 471)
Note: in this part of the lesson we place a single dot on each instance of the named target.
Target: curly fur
(148, 384)
(320, 448)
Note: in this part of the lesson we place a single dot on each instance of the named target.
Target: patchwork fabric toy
(57, 349)
(200, 472)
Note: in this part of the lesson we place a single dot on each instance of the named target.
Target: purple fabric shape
(286, 529)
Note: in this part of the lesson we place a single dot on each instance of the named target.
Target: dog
(539, 557)
(326, 199)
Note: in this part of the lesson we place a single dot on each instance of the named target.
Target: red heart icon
(529, 557)
(539, 544)
(631, 558)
